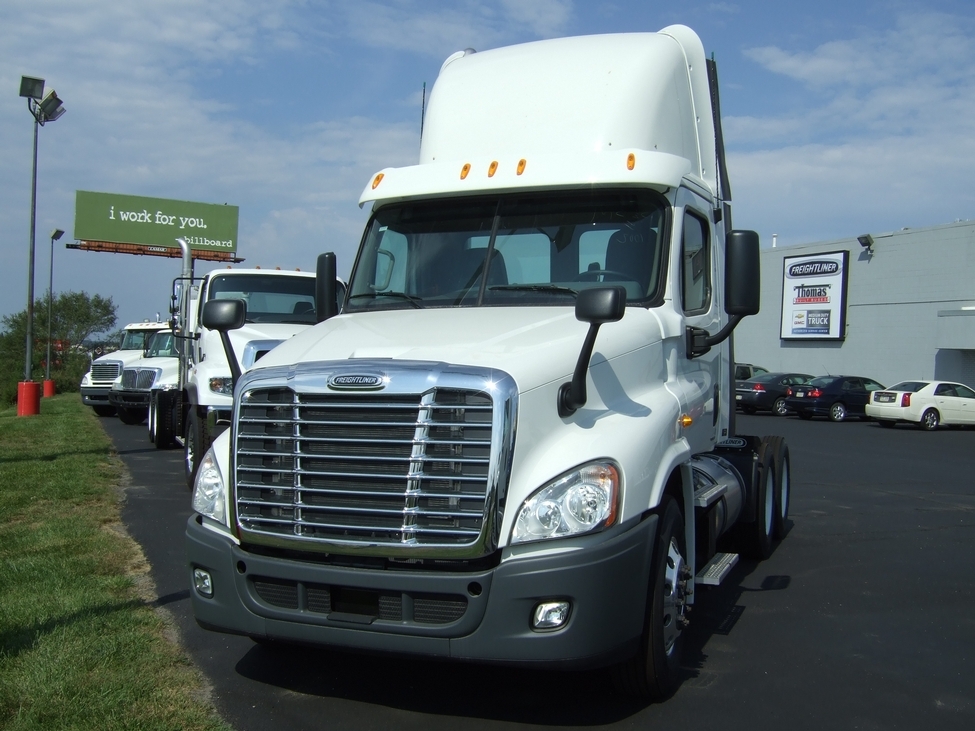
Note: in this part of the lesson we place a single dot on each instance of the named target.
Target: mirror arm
(699, 341)
(573, 395)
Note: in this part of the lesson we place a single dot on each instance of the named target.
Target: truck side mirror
(326, 288)
(595, 306)
(224, 316)
(742, 273)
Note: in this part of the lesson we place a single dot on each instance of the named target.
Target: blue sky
(840, 117)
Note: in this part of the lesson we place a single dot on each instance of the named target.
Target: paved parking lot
(864, 616)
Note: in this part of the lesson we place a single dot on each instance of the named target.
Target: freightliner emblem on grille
(356, 382)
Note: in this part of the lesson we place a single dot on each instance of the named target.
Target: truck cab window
(695, 264)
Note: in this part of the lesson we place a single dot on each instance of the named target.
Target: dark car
(767, 392)
(834, 396)
(747, 370)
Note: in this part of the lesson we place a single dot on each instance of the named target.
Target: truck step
(718, 568)
(704, 498)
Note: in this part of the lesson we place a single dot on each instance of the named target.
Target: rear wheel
(779, 408)
(930, 420)
(837, 412)
(755, 538)
(783, 486)
(655, 671)
(101, 410)
(162, 418)
(130, 415)
(197, 443)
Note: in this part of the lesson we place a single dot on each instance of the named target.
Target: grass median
(81, 645)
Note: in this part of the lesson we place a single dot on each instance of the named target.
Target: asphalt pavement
(863, 617)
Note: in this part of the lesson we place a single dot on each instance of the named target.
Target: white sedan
(925, 403)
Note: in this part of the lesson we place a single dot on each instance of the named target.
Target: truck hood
(534, 345)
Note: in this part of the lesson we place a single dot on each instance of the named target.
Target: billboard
(814, 296)
(134, 224)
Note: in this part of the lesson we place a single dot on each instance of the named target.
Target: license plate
(800, 394)
(737, 397)
(884, 398)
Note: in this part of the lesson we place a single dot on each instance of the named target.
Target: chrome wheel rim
(675, 593)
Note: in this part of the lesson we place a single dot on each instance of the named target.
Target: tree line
(76, 319)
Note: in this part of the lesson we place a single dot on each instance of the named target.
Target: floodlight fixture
(51, 108)
(31, 88)
(866, 241)
(56, 234)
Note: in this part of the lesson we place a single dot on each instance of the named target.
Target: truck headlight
(581, 501)
(208, 491)
(222, 385)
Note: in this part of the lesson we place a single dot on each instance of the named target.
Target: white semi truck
(159, 364)
(105, 369)
(193, 404)
(517, 443)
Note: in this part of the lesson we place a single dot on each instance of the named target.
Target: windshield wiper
(535, 288)
(415, 301)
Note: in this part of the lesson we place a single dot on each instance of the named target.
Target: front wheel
(129, 415)
(654, 673)
(162, 418)
(197, 443)
(930, 420)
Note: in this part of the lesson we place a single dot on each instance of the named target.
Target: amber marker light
(630, 161)
(521, 165)
(377, 180)
(686, 421)
(492, 168)
(465, 170)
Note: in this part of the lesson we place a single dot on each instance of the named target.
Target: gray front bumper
(95, 396)
(606, 583)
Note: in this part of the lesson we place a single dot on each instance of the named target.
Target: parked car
(744, 371)
(767, 392)
(834, 396)
(925, 403)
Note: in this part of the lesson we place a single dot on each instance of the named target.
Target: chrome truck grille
(139, 379)
(378, 470)
(106, 371)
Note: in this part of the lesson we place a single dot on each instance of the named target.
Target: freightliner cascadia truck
(516, 444)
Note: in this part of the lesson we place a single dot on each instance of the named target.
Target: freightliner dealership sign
(814, 296)
(154, 224)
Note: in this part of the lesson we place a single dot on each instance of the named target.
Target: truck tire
(132, 415)
(101, 410)
(783, 487)
(654, 673)
(755, 538)
(197, 443)
(162, 419)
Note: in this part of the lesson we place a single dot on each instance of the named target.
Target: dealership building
(889, 306)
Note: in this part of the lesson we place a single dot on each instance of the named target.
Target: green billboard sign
(154, 222)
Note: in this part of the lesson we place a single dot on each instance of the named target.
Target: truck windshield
(516, 249)
(161, 345)
(269, 297)
(135, 339)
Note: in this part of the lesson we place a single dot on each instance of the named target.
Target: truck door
(694, 296)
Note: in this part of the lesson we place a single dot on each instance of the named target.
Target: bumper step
(718, 568)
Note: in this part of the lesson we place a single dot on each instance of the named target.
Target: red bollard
(49, 389)
(28, 398)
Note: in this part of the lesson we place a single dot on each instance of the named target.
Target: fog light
(550, 615)
(203, 582)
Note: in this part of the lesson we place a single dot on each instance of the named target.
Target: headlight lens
(582, 501)
(208, 492)
(222, 385)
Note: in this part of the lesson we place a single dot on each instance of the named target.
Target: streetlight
(43, 109)
(48, 383)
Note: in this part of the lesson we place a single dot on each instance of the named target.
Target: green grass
(81, 646)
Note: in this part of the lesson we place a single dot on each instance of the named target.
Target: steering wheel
(595, 274)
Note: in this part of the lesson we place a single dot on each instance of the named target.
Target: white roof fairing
(573, 109)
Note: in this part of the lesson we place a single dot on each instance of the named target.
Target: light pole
(48, 383)
(43, 109)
